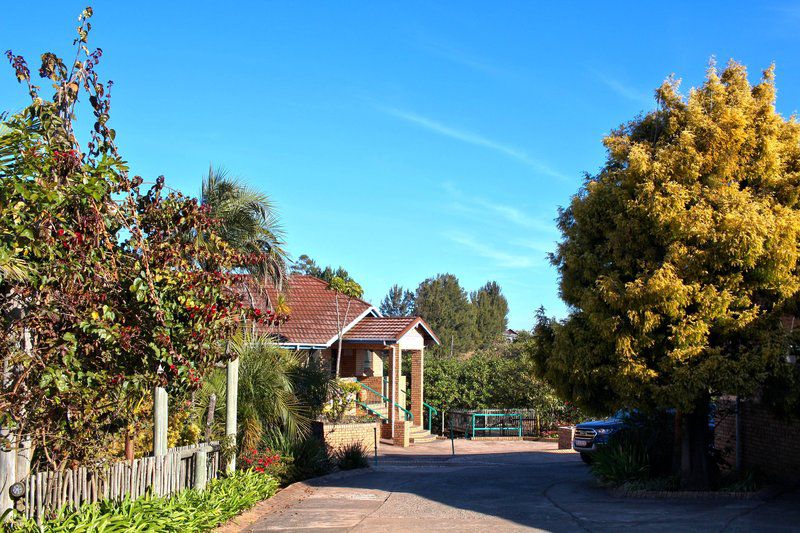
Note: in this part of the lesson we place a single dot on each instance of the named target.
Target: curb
(296, 492)
(764, 494)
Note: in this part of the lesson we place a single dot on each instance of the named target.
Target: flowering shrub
(110, 287)
(261, 461)
(342, 399)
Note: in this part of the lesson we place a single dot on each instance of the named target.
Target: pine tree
(491, 310)
(444, 305)
(399, 302)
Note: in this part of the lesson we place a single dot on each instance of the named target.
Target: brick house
(373, 349)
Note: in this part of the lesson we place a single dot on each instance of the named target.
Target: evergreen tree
(308, 267)
(444, 305)
(678, 256)
(491, 310)
(399, 302)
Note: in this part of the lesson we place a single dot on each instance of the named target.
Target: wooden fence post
(231, 400)
(8, 467)
(160, 416)
(200, 467)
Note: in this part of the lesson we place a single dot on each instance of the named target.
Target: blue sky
(402, 139)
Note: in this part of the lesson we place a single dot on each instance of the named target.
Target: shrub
(262, 462)
(747, 480)
(352, 456)
(641, 450)
(619, 462)
(190, 510)
(343, 395)
(303, 459)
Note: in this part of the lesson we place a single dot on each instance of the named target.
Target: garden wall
(339, 435)
(769, 444)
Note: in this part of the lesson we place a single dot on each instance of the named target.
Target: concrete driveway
(501, 486)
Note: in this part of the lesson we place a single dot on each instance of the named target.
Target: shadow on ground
(505, 487)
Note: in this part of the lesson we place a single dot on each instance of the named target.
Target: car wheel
(586, 458)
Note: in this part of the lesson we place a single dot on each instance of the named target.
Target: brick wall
(348, 366)
(402, 433)
(769, 444)
(376, 383)
(339, 435)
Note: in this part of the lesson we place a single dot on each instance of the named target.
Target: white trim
(302, 346)
(420, 322)
(352, 324)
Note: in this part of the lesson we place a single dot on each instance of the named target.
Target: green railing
(503, 427)
(386, 400)
(431, 410)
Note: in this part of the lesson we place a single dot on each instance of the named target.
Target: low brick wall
(339, 435)
(769, 444)
(565, 436)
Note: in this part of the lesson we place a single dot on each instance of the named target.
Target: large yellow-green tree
(677, 257)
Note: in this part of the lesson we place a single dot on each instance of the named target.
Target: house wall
(769, 444)
(413, 340)
(354, 361)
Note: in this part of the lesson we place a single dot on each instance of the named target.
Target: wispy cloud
(543, 246)
(623, 90)
(461, 57)
(501, 258)
(472, 138)
(480, 206)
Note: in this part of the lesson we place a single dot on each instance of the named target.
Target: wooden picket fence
(46, 492)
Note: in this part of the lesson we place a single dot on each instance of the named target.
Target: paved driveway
(502, 486)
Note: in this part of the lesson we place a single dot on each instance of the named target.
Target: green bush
(352, 456)
(189, 510)
(619, 462)
(306, 458)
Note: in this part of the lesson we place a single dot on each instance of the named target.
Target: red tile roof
(312, 320)
(386, 328)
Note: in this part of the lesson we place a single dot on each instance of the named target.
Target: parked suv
(589, 435)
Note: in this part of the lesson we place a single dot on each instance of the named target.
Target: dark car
(596, 433)
(589, 435)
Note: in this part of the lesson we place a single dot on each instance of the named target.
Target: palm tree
(268, 376)
(247, 222)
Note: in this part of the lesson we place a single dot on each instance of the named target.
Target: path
(503, 486)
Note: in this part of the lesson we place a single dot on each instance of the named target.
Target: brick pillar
(417, 380)
(394, 370)
(402, 433)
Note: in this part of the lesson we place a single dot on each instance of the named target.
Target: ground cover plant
(190, 510)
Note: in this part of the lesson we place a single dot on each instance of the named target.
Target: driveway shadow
(527, 487)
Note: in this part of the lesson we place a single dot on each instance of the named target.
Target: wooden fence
(181, 468)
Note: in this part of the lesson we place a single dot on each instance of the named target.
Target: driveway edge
(286, 497)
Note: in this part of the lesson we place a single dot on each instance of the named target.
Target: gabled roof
(387, 329)
(312, 321)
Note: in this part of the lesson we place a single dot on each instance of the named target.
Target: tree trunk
(129, 451)
(694, 447)
(212, 406)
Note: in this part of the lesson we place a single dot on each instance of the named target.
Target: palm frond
(247, 221)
